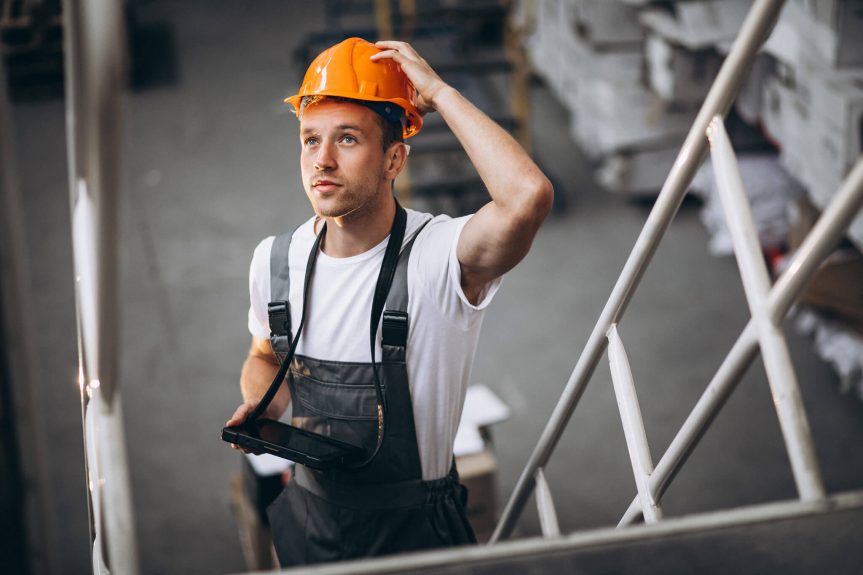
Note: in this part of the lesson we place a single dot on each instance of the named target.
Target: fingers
(394, 55)
(400, 52)
(390, 44)
(240, 415)
(391, 54)
(426, 81)
(244, 449)
(401, 47)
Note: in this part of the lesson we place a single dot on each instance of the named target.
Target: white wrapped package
(769, 187)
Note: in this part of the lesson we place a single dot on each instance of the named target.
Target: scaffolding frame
(768, 307)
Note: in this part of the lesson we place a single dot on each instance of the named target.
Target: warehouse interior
(601, 92)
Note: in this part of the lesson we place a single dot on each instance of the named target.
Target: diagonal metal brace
(828, 230)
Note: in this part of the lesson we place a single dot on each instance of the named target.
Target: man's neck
(360, 231)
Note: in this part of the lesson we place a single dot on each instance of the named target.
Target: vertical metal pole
(95, 72)
(758, 23)
(814, 249)
(633, 424)
(756, 283)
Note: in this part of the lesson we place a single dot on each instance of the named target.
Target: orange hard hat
(345, 70)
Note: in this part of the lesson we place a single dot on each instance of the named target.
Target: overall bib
(384, 507)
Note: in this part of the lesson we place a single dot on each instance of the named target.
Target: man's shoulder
(415, 222)
(305, 230)
(300, 232)
(433, 230)
(263, 249)
(423, 225)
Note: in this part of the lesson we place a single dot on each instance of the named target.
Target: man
(357, 103)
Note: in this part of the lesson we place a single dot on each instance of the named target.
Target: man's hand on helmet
(418, 71)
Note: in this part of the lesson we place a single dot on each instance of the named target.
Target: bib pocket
(343, 411)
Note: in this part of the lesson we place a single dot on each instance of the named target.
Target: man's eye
(310, 141)
(349, 140)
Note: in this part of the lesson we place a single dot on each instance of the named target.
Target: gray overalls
(384, 507)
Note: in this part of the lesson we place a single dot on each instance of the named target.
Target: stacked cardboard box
(697, 24)
(478, 473)
(561, 53)
(627, 74)
(677, 74)
(632, 74)
(812, 104)
(829, 30)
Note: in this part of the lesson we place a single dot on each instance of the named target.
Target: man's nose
(325, 160)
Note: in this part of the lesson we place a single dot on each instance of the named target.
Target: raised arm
(501, 232)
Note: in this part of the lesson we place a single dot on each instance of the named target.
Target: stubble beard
(353, 198)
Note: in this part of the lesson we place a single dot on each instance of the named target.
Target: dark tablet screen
(268, 436)
(297, 440)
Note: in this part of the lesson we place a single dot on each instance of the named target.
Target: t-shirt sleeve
(259, 289)
(438, 272)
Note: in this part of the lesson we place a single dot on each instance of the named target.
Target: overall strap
(278, 309)
(286, 360)
(394, 328)
(387, 274)
(394, 324)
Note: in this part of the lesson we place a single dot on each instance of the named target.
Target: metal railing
(768, 307)
(95, 49)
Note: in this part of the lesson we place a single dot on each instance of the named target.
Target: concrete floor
(212, 169)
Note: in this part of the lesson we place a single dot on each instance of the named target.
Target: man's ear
(396, 158)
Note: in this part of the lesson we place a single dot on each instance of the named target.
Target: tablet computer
(283, 440)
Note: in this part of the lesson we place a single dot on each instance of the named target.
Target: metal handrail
(94, 51)
(758, 23)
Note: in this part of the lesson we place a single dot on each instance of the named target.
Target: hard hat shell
(345, 71)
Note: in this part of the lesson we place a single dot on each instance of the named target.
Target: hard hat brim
(413, 121)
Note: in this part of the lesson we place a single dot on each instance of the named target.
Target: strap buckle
(394, 328)
(280, 320)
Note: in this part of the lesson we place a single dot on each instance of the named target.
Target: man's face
(342, 161)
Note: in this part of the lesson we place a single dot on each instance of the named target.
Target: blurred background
(601, 92)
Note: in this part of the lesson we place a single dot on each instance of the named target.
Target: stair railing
(768, 307)
(94, 52)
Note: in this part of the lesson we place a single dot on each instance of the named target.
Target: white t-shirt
(444, 326)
